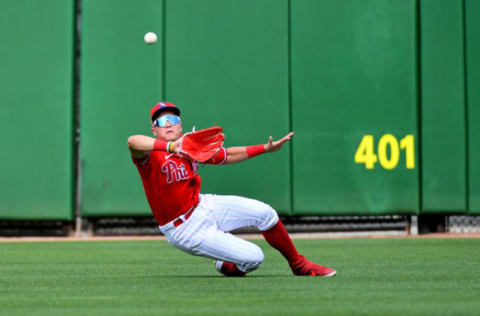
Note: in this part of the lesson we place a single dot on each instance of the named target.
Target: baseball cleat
(228, 269)
(218, 265)
(303, 266)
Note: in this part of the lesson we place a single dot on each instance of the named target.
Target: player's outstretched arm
(237, 154)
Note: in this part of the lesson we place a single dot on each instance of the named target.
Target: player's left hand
(201, 145)
(273, 146)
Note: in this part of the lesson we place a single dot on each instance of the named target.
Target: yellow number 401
(365, 153)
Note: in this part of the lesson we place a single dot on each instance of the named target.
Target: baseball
(150, 38)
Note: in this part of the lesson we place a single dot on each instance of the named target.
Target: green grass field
(375, 277)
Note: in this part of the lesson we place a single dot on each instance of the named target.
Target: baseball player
(198, 223)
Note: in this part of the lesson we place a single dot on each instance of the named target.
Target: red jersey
(171, 183)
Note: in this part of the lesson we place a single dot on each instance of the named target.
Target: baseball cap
(161, 107)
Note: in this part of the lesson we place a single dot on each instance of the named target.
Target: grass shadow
(197, 276)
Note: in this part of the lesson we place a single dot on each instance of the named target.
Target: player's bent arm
(140, 145)
(238, 154)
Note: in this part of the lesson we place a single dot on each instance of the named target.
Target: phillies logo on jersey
(173, 172)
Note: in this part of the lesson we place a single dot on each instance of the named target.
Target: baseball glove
(202, 145)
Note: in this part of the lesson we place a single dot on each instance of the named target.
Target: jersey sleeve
(143, 164)
(219, 157)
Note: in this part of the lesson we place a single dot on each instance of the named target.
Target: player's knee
(259, 256)
(256, 259)
(268, 218)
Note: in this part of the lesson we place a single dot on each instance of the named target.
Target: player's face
(170, 128)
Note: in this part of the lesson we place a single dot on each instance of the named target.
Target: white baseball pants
(205, 233)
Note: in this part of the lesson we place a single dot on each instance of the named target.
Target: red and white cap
(161, 107)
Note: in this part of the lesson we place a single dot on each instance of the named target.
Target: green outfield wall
(353, 102)
(383, 97)
(444, 174)
(119, 83)
(472, 52)
(36, 103)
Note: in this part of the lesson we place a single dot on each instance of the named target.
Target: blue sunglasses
(162, 121)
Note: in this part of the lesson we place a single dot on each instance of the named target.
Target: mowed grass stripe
(375, 277)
